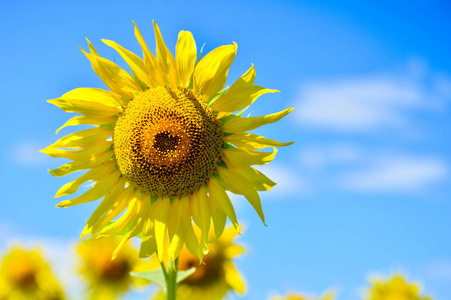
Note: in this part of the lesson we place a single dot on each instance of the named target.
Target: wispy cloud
(396, 174)
(348, 167)
(371, 102)
(289, 181)
(439, 271)
(335, 154)
(26, 153)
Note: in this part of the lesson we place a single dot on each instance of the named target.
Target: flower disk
(167, 142)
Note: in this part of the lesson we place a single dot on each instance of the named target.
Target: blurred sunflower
(216, 276)
(394, 288)
(24, 275)
(329, 295)
(107, 278)
(165, 145)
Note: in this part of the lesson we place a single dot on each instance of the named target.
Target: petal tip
(63, 204)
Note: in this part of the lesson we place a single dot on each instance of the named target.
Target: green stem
(171, 279)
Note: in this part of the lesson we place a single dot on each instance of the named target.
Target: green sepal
(108, 126)
(153, 199)
(217, 96)
(227, 145)
(148, 247)
(222, 164)
(142, 85)
(228, 118)
(200, 55)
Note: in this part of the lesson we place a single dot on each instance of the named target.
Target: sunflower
(109, 278)
(329, 295)
(165, 146)
(24, 275)
(216, 276)
(394, 288)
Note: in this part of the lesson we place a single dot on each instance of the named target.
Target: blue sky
(365, 190)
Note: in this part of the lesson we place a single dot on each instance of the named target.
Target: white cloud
(320, 157)
(289, 182)
(396, 174)
(26, 153)
(372, 102)
(439, 271)
(348, 167)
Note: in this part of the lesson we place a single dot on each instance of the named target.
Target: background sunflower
(214, 278)
(25, 275)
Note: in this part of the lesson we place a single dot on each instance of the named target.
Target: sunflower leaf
(156, 276)
(181, 275)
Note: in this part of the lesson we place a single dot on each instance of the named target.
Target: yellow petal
(218, 195)
(92, 175)
(97, 191)
(88, 108)
(189, 236)
(83, 138)
(175, 216)
(252, 141)
(233, 251)
(239, 98)
(178, 207)
(257, 179)
(78, 120)
(185, 56)
(210, 74)
(201, 215)
(161, 219)
(85, 155)
(135, 63)
(239, 125)
(234, 278)
(150, 60)
(101, 96)
(165, 58)
(125, 220)
(218, 217)
(237, 184)
(176, 245)
(108, 205)
(240, 157)
(77, 166)
(247, 78)
(115, 78)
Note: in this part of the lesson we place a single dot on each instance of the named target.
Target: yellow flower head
(166, 145)
(329, 295)
(215, 276)
(25, 275)
(394, 288)
(106, 277)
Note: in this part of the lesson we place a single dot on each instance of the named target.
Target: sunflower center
(24, 276)
(113, 270)
(205, 273)
(167, 142)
